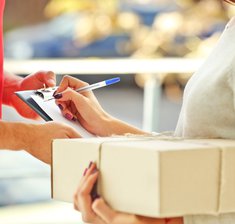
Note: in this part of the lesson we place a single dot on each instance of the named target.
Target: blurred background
(101, 29)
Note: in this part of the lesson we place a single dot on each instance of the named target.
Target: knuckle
(97, 204)
(85, 83)
(82, 193)
(86, 218)
(69, 91)
(66, 77)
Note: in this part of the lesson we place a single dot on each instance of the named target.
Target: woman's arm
(87, 110)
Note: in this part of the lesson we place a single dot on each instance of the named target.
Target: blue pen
(91, 87)
(98, 85)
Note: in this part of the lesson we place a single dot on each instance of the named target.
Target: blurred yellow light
(169, 22)
(128, 21)
(103, 24)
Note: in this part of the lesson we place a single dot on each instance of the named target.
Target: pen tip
(112, 81)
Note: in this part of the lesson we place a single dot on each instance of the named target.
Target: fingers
(46, 77)
(90, 178)
(71, 82)
(69, 95)
(82, 198)
(103, 210)
(67, 111)
(75, 202)
(67, 107)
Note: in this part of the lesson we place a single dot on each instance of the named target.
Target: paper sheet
(54, 112)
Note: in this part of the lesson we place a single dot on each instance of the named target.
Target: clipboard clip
(46, 93)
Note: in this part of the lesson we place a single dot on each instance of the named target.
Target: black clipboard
(26, 97)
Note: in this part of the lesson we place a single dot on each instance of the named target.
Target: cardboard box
(150, 177)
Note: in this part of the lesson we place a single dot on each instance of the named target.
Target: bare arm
(36, 139)
(86, 108)
(14, 136)
(119, 127)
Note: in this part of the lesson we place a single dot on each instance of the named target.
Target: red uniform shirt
(2, 3)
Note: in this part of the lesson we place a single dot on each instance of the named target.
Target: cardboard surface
(156, 178)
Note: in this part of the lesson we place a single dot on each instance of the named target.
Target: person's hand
(84, 107)
(39, 138)
(96, 210)
(31, 82)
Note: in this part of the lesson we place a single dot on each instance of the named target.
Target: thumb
(50, 79)
(47, 77)
(70, 82)
(103, 210)
(73, 133)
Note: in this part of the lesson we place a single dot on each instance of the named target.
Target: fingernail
(84, 173)
(58, 95)
(94, 171)
(90, 164)
(94, 197)
(60, 106)
(69, 116)
(54, 93)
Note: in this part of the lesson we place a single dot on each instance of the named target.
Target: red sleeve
(2, 3)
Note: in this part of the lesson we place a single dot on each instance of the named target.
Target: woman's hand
(31, 82)
(84, 107)
(38, 138)
(96, 211)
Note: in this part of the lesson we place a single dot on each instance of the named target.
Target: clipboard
(26, 97)
(45, 93)
(47, 109)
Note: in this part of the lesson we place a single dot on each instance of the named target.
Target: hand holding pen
(90, 87)
(83, 107)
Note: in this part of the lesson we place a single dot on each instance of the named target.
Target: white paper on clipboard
(54, 112)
